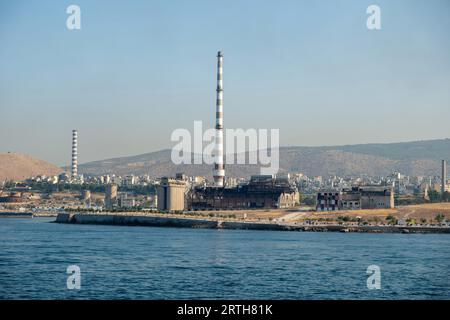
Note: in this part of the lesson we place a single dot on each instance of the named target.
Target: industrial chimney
(444, 176)
(74, 170)
(219, 168)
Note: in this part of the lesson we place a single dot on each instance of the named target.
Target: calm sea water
(167, 263)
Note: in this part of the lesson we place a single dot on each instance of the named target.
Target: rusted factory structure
(365, 197)
(260, 192)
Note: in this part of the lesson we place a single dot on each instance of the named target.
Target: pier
(161, 220)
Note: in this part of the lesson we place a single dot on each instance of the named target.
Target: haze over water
(168, 263)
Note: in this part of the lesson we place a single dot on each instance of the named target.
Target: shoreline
(27, 214)
(13, 214)
(203, 223)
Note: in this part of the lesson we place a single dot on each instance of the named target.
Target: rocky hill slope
(16, 166)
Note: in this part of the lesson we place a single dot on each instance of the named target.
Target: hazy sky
(137, 70)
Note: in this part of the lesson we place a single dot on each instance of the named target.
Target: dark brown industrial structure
(262, 191)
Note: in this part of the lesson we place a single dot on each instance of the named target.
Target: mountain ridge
(412, 158)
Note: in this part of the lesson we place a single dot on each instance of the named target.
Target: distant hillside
(428, 149)
(413, 158)
(16, 166)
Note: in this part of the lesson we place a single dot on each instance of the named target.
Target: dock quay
(163, 220)
(15, 214)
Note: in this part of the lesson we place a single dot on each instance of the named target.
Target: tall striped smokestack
(444, 176)
(74, 153)
(219, 168)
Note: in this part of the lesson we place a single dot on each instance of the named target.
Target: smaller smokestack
(74, 170)
(444, 176)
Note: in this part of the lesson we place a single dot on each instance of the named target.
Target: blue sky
(137, 70)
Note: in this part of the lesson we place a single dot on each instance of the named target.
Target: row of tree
(438, 197)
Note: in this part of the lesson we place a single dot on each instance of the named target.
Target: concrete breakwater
(20, 214)
(182, 222)
(15, 214)
(159, 221)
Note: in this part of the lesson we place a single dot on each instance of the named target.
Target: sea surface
(122, 262)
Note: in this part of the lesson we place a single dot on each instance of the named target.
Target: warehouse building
(365, 197)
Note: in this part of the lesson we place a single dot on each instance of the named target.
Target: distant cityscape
(74, 191)
(182, 194)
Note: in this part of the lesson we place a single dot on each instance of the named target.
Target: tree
(446, 196)
(391, 219)
(439, 217)
(434, 196)
(343, 218)
(308, 200)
